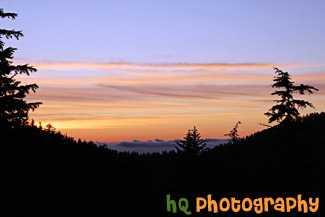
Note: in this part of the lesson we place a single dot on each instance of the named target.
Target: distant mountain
(158, 145)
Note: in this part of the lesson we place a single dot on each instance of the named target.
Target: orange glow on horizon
(122, 102)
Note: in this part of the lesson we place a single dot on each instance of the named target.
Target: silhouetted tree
(40, 125)
(32, 123)
(49, 128)
(287, 107)
(233, 134)
(13, 108)
(192, 143)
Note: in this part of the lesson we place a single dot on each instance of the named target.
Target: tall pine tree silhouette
(287, 107)
(192, 143)
(13, 106)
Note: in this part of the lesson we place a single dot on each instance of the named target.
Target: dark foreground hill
(49, 174)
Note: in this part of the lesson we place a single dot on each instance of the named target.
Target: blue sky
(170, 31)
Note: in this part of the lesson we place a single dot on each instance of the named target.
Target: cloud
(204, 91)
(50, 65)
(158, 145)
(161, 143)
(137, 143)
(114, 96)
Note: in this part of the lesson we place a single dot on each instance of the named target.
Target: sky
(113, 71)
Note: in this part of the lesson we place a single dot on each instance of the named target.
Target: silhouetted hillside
(70, 178)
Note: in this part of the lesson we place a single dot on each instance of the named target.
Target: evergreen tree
(192, 143)
(287, 107)
(233, 134)
(13, 108)
(49, 128)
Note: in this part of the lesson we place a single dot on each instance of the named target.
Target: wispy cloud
(50, 65)
(79, 95)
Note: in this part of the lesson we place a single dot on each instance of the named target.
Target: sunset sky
(114, 71)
